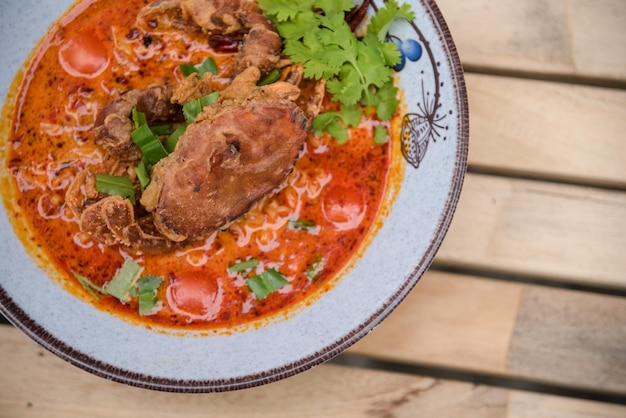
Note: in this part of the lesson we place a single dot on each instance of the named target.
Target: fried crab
(237, 150)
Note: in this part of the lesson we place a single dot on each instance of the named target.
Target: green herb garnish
(147, 141)
(162, 129)
(266, 283)
(357, 70)
(316, 267)
(139, 118)
(142, 174)
(301, 225)
(381, 134)
(243, 266)
(119, 287)
(115, 186)
(172, 140)
(207, 66)
(192, 109)
(336, 123)
(122, 287)
(272, 77)
(147, 294)
(89, 286)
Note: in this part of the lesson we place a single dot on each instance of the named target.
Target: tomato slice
(84, 56)
(194, 295)
(344, 207)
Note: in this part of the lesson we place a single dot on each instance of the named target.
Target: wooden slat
(35, 383)
(573, 38)
(557, 336)
(548, 130)
(568, 233)
(528, 405)
(570, 337)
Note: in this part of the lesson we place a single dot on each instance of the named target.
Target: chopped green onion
(150, 145)
(266, 283)
(142, 174)
(89, 286)
(192, 109)
(316, 267)
(301, 225)
(244, 265)
(139, 118)
(162, 129)
(115, 186)
(120, 286)
(207, 66)
(272, 77)
(172, 140)
(147, 287)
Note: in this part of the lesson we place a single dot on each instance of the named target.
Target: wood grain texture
(559, 336)
(539, 229)
(548, 130)
(569, 38)
(35, 383)
(530, 405)
(570, 337)
(452, 321)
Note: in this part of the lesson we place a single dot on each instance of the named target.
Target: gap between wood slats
(528, 279)
(551, 77)
(363, 362)
(4, 321)
(517, 383)
(542, 177)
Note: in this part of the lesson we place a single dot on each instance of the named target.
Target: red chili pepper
(357, 14)
(225, 44)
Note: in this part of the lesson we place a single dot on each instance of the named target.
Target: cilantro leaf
(351, 114)
(357, 71)
(385, 100)
(336, 123)
(381, 134)
(334, 5)
(381, 21)
(373, 63)
(285, 9)
(296, 28)
(347, 88)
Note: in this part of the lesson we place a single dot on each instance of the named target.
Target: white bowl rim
(21, 319)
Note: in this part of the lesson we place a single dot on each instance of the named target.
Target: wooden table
(524, 311)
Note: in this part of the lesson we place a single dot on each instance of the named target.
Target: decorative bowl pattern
(433, 139)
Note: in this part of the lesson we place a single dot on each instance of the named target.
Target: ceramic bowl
(433, 140)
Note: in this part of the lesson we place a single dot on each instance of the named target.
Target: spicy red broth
(308, 229)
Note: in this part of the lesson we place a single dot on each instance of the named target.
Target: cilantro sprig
(358, 71)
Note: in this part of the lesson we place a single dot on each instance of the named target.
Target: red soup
(301, 234)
